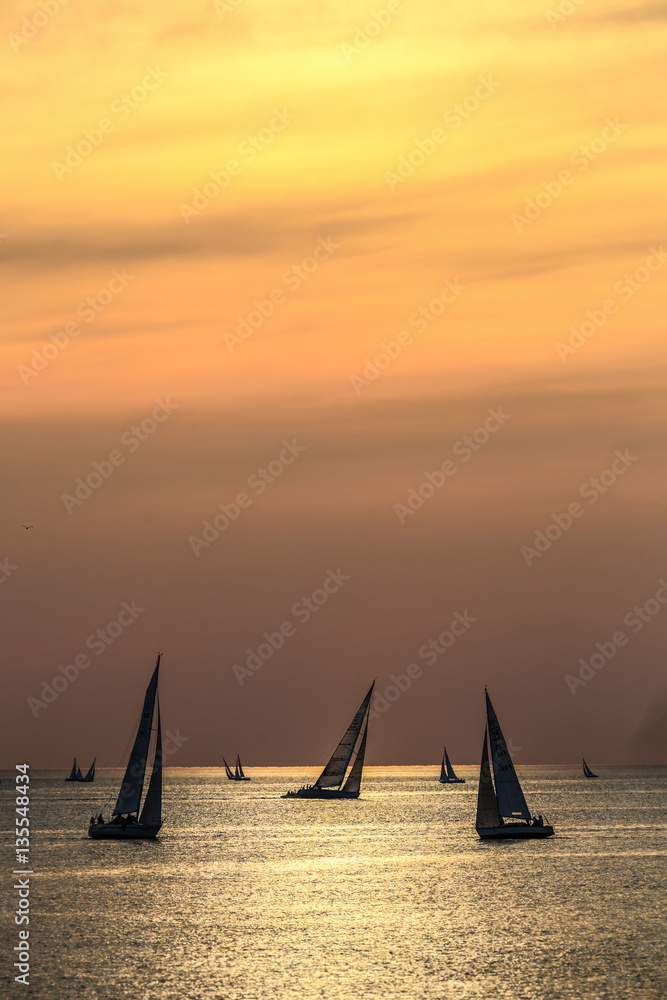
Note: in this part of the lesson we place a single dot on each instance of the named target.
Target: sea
(247, 896)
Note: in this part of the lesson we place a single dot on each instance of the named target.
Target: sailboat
(331, 784)
(126, 822)
(76, 775)
(587, 771)
(73, 774)
(90, 773)
(447, 776)
(506, 800)
(237, 774)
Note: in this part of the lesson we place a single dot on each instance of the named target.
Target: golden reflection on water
(246, 895)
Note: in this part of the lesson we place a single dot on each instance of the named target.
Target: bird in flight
(26, 526)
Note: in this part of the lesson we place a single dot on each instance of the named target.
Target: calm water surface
(245, 896)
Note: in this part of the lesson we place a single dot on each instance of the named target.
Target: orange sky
(471, 196)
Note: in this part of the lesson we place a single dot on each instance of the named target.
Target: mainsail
(487, 803)
(72, 774)
(152, 811)
(90, 773)
(334, 772)
(230, 773)
(511, 801)
(129, 796)
(353, 783)
(443, 771)
(239, 770)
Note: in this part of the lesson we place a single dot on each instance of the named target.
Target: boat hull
(320, 793)
(452, 781)
(123, 831)
(515, 831)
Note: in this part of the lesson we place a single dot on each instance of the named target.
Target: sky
(343, 319)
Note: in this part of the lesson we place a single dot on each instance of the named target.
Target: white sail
(353, 783)
(511, 801)
(450, 769)
(129, 796)
(334, 772)
(152, 811)
(443, 771)
(487, 803)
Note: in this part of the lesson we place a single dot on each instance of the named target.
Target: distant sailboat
(76, 775)
(237, 774)
(72, 774)
(126, 822)
(506, 800)
(331, 784)
(587, 771)
(447, 776)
